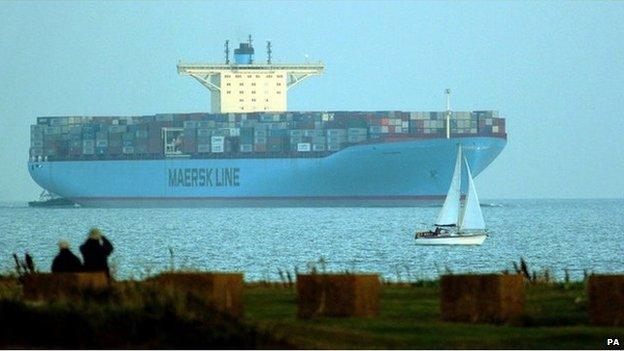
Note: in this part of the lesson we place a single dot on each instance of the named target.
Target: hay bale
(487, 298)
(606, 300)
(337, 295)
(46, 286)
(222, 290)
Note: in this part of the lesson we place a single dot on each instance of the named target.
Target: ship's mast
(447, 92)
(245, 86)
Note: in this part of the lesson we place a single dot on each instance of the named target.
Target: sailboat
(457, 224)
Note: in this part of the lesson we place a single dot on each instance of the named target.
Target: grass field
(555, 317)
(136, 316)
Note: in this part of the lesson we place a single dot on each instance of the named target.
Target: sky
(554, 70)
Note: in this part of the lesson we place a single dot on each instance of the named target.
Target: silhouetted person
(437, 231)
(65, 260)
(95, 252)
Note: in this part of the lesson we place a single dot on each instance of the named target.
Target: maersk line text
(209, 177)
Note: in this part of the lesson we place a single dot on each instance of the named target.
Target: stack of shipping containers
(291, 134)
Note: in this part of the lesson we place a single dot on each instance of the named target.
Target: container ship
(251, 151)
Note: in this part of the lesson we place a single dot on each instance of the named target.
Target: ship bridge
(246, 86)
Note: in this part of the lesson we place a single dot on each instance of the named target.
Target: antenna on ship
(227, 52)
(268, 52)
(251, 46)
(447, 92)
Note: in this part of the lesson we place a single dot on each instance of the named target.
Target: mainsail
(449, 214)
(472, 217)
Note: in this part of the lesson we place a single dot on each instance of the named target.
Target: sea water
(579, 236)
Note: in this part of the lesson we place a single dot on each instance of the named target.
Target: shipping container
(304, 147)
(88, 150)
(318, 147)
(217, 140)
(117, 129)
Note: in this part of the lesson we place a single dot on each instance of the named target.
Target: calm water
(555, 234)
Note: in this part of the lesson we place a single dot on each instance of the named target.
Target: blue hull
(401, 173)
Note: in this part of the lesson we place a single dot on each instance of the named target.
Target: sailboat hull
(469, 239)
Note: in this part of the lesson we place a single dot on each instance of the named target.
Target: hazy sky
(554, 70)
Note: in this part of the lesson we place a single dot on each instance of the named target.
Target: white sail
(472, 217)
(450, 210)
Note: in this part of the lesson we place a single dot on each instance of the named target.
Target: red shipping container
(384, 121)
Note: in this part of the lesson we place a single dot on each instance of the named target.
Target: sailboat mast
(447, 92)
(471, 217)
(449, 214)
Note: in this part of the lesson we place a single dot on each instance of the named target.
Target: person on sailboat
(437, 232)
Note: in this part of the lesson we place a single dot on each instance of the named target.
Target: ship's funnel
(244, 54)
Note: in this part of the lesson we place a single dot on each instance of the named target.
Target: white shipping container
(217, 140)
(234, 131)
(398, 130)
(488, 121)
(405, 124)
(303, 147)
(101, 143)
(246, 147)
(384, 129)
(495, 129)
(216, 148)
(128, 150)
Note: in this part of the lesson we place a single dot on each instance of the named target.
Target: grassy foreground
(130, 315)
(556, 317)
(134, 315)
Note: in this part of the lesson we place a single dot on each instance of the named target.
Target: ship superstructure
(246, 86)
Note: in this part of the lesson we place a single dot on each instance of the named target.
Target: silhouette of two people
(95, 251)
